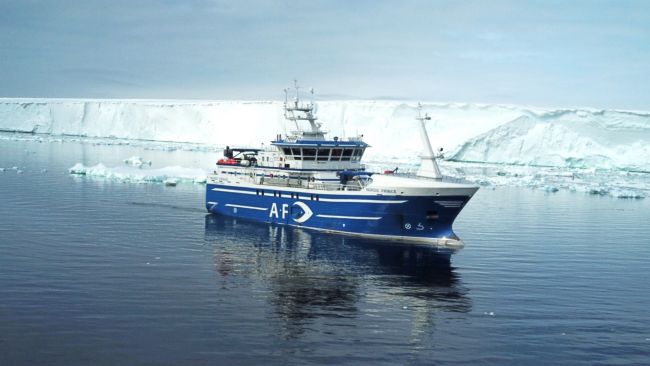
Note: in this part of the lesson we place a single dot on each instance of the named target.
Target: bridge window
(323, 154)
(309, 154)
(296, 153)
(336, 154)
(347, 153)
(287, 151)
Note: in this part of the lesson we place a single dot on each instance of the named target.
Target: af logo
(300, 214)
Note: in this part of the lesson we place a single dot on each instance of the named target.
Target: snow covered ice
(576, 149)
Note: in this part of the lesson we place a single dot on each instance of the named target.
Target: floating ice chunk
(598, 190)
(2, 169)
(624, 193)
(19, 171)
(133, 174)
(549, 189)
(171, 182)
(134, 160)
(15, 168)
(78, 169)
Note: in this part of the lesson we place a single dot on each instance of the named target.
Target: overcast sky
(540, 53)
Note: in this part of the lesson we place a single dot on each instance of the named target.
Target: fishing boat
(305, 179)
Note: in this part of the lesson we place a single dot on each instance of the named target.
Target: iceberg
(488, 133)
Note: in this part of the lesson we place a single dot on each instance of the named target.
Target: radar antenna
(295, 111)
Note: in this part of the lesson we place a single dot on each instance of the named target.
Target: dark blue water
(98, 272)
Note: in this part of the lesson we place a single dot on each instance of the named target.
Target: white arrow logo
(307, 214)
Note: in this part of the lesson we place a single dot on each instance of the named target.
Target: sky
(554, 54)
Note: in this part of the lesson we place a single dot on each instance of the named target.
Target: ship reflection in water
(310, 276)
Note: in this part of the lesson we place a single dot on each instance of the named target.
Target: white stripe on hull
(233, 191)
(357, 200)
(320, 199)
(249, 207)
(349, 217)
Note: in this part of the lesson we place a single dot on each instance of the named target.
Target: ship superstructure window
(296, 153)
(323, 154)
(347, 153)
(358, 153)
(308, 154)
(287, 151)
(336, 154)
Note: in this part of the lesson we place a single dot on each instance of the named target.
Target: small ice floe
(405, 307)
(15, 168)
(171, 182)
(136, 161)
(19, 171)
(2, 169)
(625, 193)
(599, 190)
(549, 189)
(134, 174)
(491, 313)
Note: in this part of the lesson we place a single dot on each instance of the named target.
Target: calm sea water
(102, 272)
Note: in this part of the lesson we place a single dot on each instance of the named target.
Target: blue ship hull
(409, 218)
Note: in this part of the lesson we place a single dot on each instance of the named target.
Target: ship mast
(428, 165)
(295, 111)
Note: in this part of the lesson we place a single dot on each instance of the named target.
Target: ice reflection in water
(310, 277)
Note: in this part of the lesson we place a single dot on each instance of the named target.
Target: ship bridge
(323, 151)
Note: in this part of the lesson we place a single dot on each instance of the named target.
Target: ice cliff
(505, 134)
